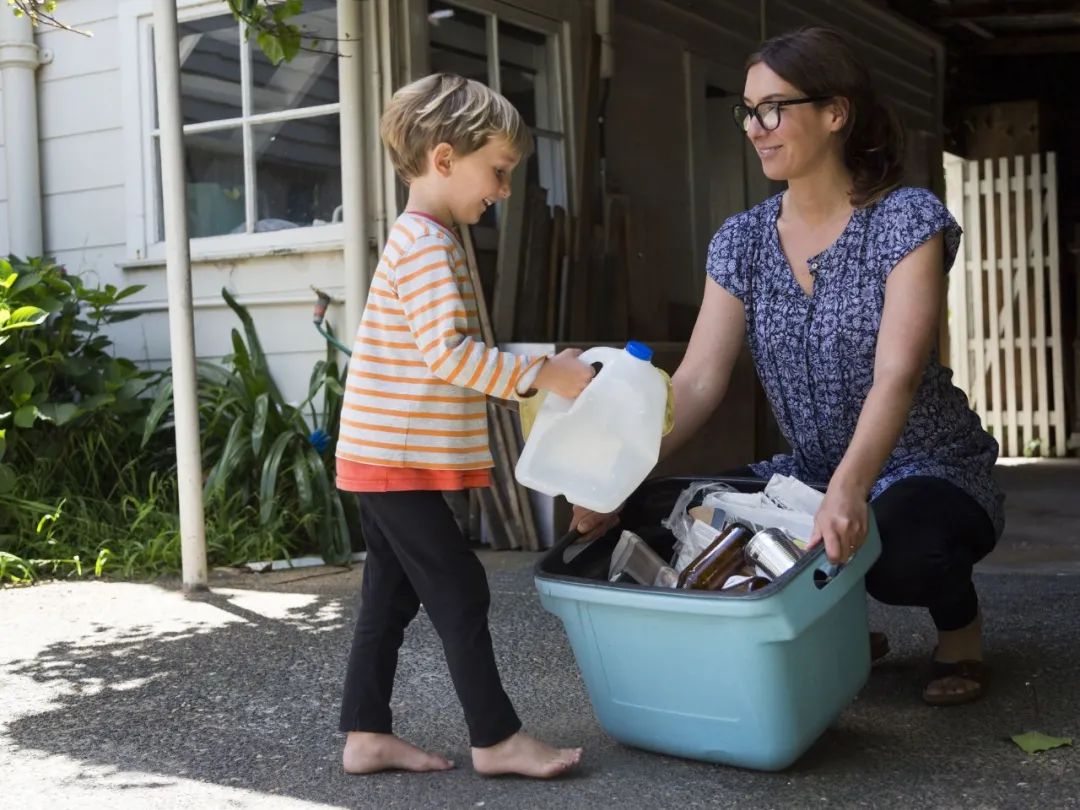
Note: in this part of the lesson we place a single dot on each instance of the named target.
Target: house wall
(659, 138)
(81, 136)
(4, 247)
(85, 177)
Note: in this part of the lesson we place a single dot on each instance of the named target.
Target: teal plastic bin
(749, 680)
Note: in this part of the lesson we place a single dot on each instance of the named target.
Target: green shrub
(87, 453)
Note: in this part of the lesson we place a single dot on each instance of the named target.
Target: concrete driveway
(121, 695)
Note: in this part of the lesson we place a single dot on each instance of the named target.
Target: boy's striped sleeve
(429, 282)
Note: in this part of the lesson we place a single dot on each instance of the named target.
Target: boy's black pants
(417, 555)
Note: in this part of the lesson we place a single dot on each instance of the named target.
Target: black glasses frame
(742, 112)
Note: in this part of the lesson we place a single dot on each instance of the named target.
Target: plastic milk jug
(598, 448)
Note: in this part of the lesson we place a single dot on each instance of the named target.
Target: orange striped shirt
(419, 376)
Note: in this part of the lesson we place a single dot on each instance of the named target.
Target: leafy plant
(56, 369)
(70, 422)
(259, 451)
(87, 458)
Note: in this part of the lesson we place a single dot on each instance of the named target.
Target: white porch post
(181, 321)
(354, 213)
(19, 60)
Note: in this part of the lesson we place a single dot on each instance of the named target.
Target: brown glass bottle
(724, 557)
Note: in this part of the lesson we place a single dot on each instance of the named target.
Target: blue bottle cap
(639, 350)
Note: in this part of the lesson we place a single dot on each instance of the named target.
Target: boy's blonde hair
(445, 108)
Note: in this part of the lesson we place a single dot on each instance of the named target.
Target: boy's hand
(564, 374)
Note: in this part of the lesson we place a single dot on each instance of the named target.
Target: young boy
(414, 425)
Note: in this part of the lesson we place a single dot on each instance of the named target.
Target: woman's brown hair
(822, 62)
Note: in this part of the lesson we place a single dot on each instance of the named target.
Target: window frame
(557, 32)
(142, 173)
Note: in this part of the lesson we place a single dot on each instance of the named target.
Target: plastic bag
(764, 515)
(680, 523)
(791, 493)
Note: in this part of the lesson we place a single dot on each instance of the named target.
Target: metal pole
(181, 320)
(354, 213)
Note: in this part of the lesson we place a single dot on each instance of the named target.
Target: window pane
(458, 41)
(311, 78)
(215, 183)
(524, 76)
(210, 70)
(547, 161)
(298, 172)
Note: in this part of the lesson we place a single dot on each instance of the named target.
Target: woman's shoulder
(907, 201)
(908, 208)
(750, 222)
(907, 217)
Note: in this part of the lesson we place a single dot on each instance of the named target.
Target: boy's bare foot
(523, 755)
(366, 752)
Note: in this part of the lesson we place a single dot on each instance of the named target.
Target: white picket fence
(1005, 300)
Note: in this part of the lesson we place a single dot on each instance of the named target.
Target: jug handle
(597, 354)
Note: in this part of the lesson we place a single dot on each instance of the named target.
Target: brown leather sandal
(971, 671)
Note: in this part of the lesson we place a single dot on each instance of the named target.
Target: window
(518, 55)
(262, 142)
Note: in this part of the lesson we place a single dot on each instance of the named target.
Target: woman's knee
(898, 578)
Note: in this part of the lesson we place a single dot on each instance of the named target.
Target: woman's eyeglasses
(767, 113)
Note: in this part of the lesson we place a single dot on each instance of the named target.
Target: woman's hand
(591, 525)
(842, 522)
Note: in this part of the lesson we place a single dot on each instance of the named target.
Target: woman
(837, 285)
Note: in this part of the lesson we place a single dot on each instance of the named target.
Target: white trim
(135, 18)
(218, 302)
(554, 140)
(234, 254)
(278, 116)
(274, 243)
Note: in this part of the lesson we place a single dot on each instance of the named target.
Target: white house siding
(278, 293)
(4, 247)
(85, 216)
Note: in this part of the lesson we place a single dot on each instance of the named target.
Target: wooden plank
(992, 276)
(510, 514)
(494, 506)
(530, 538)
(564, 300)
(1012, 440)
(617, 264)
(556, 255)
(1056, 347)
(508, 261)
(973, 227)
(531, 309)
(587, 184)
(1023, 283)
(520, 509)
(503, 483)
(1034, 183)
(959, 337)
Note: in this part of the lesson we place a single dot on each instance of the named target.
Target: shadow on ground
(245, 695)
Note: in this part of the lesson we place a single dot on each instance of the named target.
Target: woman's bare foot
(954, 647)
(523, 755)
(366, 752)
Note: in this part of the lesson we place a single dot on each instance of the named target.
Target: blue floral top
(815, 354)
